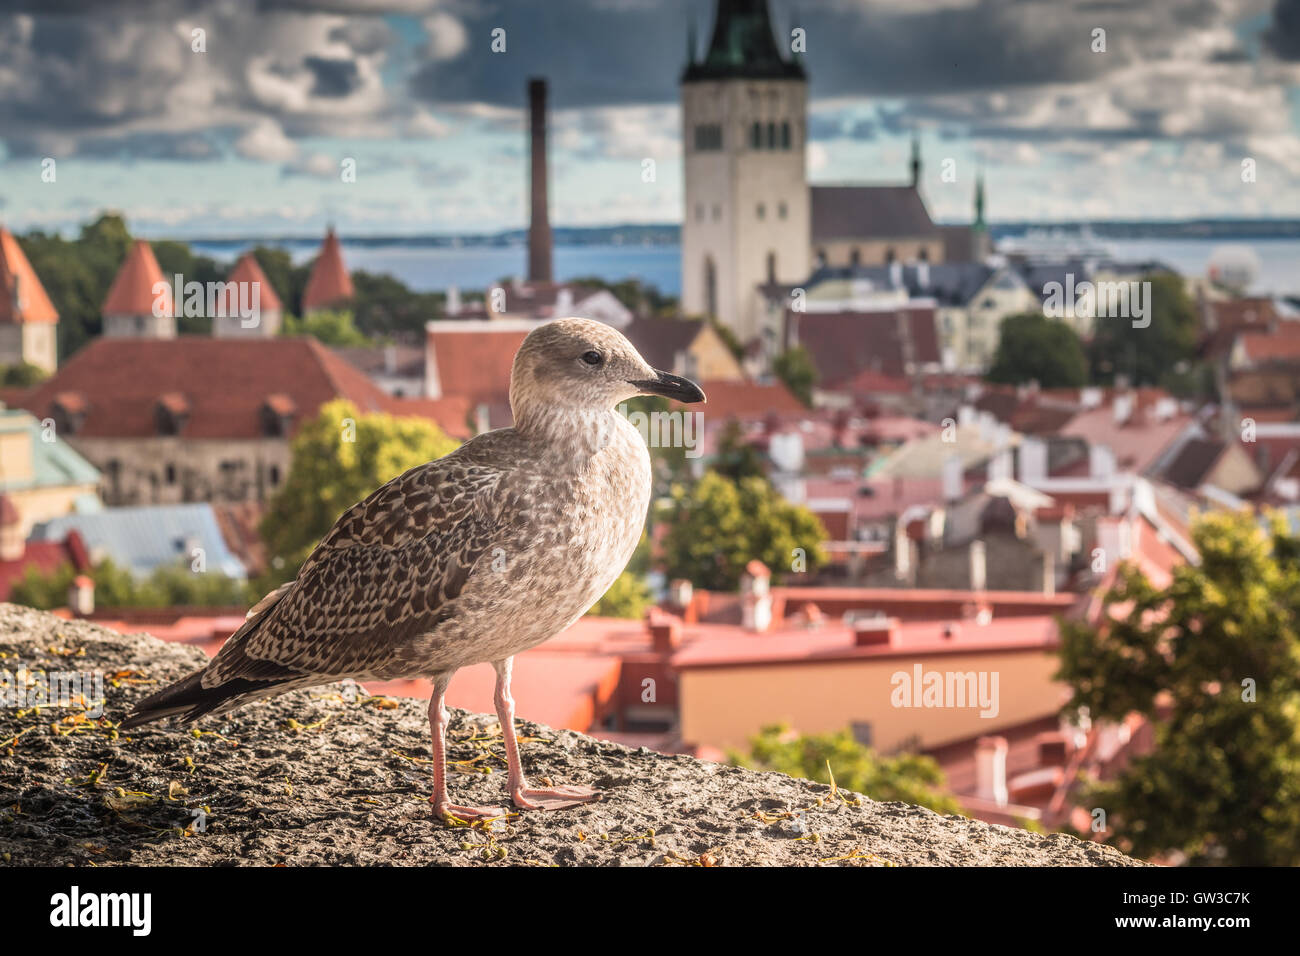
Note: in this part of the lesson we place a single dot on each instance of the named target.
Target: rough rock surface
(329, 776)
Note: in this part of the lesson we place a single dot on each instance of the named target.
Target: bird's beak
(671, 386)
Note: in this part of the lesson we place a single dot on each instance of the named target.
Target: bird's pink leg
(442, 807)
(525, 797)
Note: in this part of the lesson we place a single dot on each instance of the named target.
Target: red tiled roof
(227, 383)
(1282, 345)
(329, 283)
(871, 382)
(801, 645)
(844, 344)
(475, 365)
(132, 290)
(451, 414)
(22, 297)
(45, 557)
(247, 271)
(746, 400)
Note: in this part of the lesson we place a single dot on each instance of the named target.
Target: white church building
(753, 227)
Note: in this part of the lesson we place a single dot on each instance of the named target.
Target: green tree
(795, 367)
(23, 375)
(1149, 354)
(737, 458)
(339, 457)
(628, 596)
(717, 526)
(1213, 660)
(1032, 347)
(167, 586)
(329, 327)
(911, 778)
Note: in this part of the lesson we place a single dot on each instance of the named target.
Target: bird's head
(587, 365)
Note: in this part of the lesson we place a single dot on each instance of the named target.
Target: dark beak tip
(674, 387)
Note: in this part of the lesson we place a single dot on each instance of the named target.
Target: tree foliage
(795, 367)
(628, 596)
(339, 458)
(717, 526)
(168, 586)
(1214, 661)
(1032, 347)
(328, 327)
(1147, 356)
(912, 778)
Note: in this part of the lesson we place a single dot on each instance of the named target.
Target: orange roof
(475, 364)
(227, 384)
(1280, 345)
(451, 413)
(22, 297)
(727, 647)
(329, 283)
(132, 291)
(247, 271)
(746, 400)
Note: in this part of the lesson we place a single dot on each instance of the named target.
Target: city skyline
(253, 134)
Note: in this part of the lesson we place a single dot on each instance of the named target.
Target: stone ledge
(312, 778)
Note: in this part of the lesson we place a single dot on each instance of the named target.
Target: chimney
(453, 301)
(952, 478)
(539, 227)
(81, 596)
(1123, 407)
(755, 598)
(902, 553)
(482, 419)
(13, 542)
(978, 568)
(1101, 462)
(1033, 460)
(1049, 573)
(991, 769)
(681, 592)
(876, 631)
(564, 303)
(665, 630)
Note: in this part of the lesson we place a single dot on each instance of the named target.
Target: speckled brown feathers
(473, 557)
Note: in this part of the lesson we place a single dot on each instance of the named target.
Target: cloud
(266, 141)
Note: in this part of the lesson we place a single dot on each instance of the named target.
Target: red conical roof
(248, 271)
(22, 297)
(132, 291)
(329, 283)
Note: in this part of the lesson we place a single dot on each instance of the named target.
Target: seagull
(474, 557)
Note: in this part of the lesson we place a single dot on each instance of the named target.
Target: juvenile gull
(475, 557)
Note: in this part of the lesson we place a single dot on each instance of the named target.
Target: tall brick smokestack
(539, 228)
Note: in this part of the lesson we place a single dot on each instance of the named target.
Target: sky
(250, 135)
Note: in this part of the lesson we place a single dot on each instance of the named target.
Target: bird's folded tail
(191, 700)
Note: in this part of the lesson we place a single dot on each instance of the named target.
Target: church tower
(746, 218)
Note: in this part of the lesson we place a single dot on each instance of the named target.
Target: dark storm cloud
(1283, 36)
(334, 78)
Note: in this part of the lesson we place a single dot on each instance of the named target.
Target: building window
(821, 258)
(785, 135)
(781, 210)
(273, 474)
(771, 268)
(710, 287)
(890, 255)
(762, 211)
(855, 256)
(708, 136)
(756, 136)
(717, 212)
(771, 136)
(699, 212)
(169, 474)
(924, 254)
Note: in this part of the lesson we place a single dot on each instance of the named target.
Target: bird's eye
(592, 358)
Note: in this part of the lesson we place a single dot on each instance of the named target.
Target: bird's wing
(390, 568)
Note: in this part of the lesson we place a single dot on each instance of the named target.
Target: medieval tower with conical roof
(746, 218)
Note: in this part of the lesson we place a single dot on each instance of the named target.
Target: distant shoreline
(667, 234)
